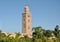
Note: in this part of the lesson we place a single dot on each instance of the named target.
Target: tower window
(28, 20)
(24, 16)
(24, 19)
(28, 27)
(24, 26)
(24, 30)
(28, 15)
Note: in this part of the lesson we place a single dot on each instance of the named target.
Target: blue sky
(45, 13)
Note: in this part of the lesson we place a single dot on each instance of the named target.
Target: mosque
(26, 22)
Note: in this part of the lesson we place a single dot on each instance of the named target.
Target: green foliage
(57, 31)
(39, 35)
(37, 32)
(47, 33)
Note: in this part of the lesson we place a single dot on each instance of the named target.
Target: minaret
(26, 22)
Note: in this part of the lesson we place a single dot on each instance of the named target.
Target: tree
(37, 32)
(0, 34)
(47, 33)
(57, 30)
(17, 35)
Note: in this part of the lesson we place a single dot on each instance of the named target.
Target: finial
(26, 9)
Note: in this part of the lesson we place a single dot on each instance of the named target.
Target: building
(26, 22)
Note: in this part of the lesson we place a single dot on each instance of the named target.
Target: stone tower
(26, 22)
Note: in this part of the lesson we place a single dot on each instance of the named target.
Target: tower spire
(26, 9)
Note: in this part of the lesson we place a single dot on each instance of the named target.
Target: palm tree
(47, 33)
(18, 35)
(57, 30)
(37, 32)
(17, 38)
